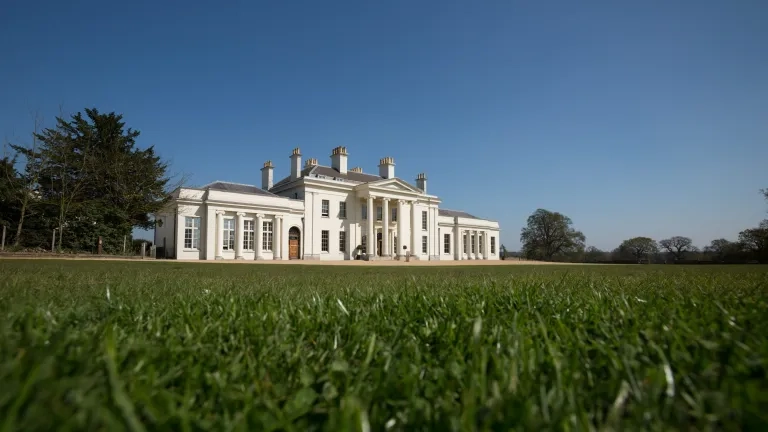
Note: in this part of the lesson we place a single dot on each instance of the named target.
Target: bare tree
(677, 246)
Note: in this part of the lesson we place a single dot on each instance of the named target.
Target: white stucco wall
(306, 215)
(316, 223)
(205, 205)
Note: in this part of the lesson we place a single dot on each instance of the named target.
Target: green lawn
(148, 346)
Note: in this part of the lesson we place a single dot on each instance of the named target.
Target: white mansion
(320, 212)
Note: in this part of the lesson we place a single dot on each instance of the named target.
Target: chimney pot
(267, 175)
(295, 164)
(339, 159)
(387, 167)
(421, 182)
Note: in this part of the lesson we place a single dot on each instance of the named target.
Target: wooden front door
(293, 243)
(378, 242)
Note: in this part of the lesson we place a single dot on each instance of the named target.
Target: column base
(219, 257)
(260, 258)
(386, 257)
(239, 258)
(277, 258)
(310, 257)
(434, 258)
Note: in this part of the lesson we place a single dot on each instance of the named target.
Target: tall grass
(148, 346)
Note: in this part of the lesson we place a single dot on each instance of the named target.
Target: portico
(393, 219)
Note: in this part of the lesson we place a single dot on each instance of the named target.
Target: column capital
(220, 212)
(370, 196)
(279, 217)
(259, 215)
(240, 214)
(402, 201)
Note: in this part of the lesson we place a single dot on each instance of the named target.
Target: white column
(486, 245)
(370, 247)
(400, 230)
(277, 239)
(456, 243)
(415, 245)
(477, 244)
(385, 228)
(219, 234)
(259, 242)
(239, 236)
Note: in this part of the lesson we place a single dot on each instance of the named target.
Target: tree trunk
(17, 241)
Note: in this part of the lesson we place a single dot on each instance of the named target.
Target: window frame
(228, 242)
(424, 244)
(266, 236)
(342, 209)
(424, 222)
(342, 241)
(446, 243)
(249, 235)
(325, 240)
(194, 232)
(493, 245)
(325, 208)
(393, 214)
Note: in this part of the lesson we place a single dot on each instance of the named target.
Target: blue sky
(633, 118)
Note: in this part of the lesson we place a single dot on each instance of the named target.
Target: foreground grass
(134, 346)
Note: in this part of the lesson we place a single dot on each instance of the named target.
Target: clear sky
(633, 118)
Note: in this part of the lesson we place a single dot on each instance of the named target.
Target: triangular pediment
(395, 185)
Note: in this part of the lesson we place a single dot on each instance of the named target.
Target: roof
(237, 187)
(321, 170)
(455, 213)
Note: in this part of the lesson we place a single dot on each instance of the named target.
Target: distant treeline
(550, 236)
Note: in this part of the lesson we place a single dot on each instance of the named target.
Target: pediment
(394, 185)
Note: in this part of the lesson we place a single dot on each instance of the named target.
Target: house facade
(321, 212)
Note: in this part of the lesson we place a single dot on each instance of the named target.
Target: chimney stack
(339, 159)
(387, 167)
(266, 175)
(295, 164)
(356, 170)
(310, 163)
(421, 182)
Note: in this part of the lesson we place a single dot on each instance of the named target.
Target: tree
(10, 191)
(503, 251)
(25, 183)
(549, 234)
(677, 246)
(93, 180)
(639, 247)
(593, 254)
(719, 248)
(756, 239)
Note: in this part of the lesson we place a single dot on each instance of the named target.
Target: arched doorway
(294, 243)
